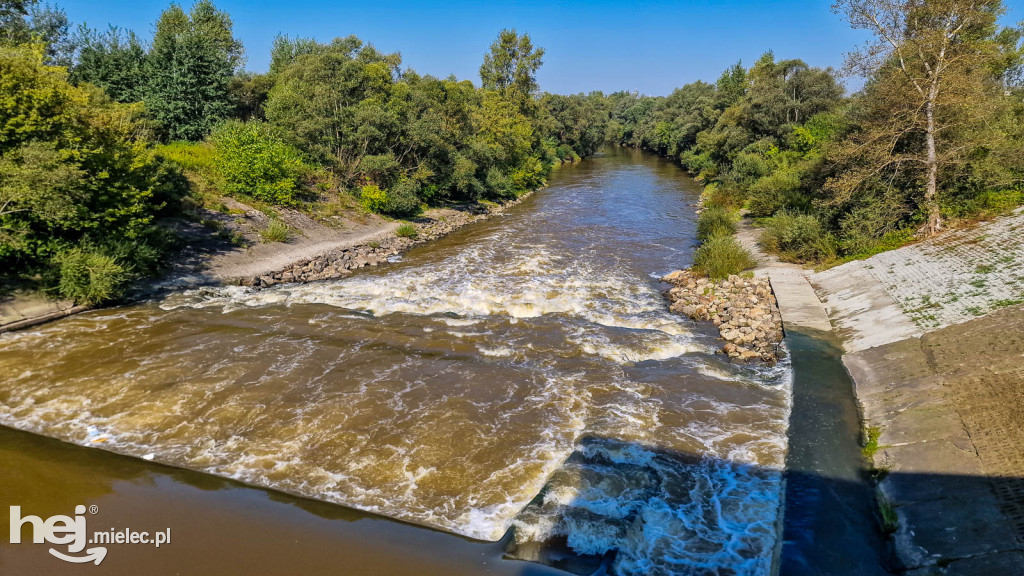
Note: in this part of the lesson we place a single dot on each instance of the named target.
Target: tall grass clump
(720, 257)
(276, 231)
(714, 222)
(407, 231)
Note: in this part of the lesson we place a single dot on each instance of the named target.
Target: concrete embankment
(939, 385)
(933, 338)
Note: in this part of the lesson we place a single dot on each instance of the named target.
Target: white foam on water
(712, 508)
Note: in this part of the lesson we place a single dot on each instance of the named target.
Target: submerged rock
(743, 309)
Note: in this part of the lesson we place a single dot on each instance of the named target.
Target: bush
(276, 231)
(407, 231)
(90, 276)
(720, 257)
(403, 198)
(714, 222)
(722, 195)
(253, 161)
(373, 198)
(799, 237)
(774, 192)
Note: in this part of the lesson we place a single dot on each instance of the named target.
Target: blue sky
(651, 47)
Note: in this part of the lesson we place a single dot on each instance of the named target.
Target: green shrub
(252, 161)
(276, 231)
(90, 276)
(714, 222)
(865, 248)
(774, 192)
(407, 231)
(799, 237)
(722, 195)
(403, 198)
(373, 198)
(720, 257)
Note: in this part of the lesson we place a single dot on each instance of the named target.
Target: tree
(930, 81)
(189, 68)
(113, 60)
(511, 65)
(28, 21)
(79, 184)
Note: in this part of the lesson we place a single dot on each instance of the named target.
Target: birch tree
(930, 82)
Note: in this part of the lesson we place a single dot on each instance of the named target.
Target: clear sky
(650, 47)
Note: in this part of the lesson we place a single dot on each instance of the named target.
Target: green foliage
(276, 231)
(713, 222)
(373, 199)
(510, 67)
(407, 231)
(195, 157)
(720, 257)
(188, 70)
(872, 435)
(798, 237)
(722, 195)
(90, 277)
(114, 60)
(403, 199)
(75, 170)
(253, 161)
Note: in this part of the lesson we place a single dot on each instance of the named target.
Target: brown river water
(521, 378)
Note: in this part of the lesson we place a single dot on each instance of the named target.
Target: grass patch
(871, 443)
(1008, 302)
(407, 231)
(276, 231)
(718, 258)
(984, 269)
(714, 222)
(890, 520)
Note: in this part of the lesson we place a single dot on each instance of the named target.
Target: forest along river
(523, 373)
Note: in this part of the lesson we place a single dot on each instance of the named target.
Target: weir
(523, 373)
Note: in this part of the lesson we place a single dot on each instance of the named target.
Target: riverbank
(931, 340)
(314, 252)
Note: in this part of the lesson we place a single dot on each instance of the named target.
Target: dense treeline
(103, 134)
(99, 130)
(935, 134)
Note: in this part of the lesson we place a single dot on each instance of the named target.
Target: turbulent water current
(523, 373)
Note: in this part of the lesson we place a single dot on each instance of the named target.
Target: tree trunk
(930, 194)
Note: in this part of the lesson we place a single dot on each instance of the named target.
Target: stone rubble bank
(342, 262)
(743, 309)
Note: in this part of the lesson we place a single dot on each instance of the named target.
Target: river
(521, 378)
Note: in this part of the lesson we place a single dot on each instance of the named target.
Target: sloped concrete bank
(933, 336)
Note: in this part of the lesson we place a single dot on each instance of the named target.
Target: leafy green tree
(114, 60)
(76, 170)
(29, 22)
(510, 67)
(189, 68)
(931, 88)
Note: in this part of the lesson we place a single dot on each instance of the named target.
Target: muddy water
(521, 374)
